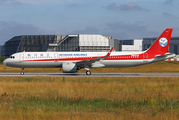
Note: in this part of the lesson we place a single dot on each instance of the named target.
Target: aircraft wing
(91, 62)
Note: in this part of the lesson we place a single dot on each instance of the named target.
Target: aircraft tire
(88, 72)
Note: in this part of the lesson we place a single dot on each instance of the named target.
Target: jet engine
(69, 67)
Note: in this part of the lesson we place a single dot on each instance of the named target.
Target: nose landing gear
(22, 73)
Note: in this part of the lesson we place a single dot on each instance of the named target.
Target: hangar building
(38, 43)
(134, 45)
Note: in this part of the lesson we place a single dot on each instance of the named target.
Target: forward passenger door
(21, 57)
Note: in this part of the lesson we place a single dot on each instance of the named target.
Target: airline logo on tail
(163, 42)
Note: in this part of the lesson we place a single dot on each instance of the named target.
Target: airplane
(71, 62)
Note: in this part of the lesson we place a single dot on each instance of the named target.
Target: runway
(17, 74)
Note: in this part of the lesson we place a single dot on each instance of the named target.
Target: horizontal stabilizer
(166, 56)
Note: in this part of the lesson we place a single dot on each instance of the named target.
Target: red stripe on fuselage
(115, 57)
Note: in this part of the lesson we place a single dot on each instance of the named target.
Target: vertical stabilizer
(160, 46)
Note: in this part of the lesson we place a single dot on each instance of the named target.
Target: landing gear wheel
(88, 72)
(22, 73)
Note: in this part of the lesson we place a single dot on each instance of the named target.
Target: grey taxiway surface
(17, 74)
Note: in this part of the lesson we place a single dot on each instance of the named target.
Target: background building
(83, 43)
(0, 48)
(27, 43)
(130, 45)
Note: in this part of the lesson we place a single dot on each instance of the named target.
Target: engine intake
(69, 67)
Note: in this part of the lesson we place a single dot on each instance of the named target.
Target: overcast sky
(121, 19)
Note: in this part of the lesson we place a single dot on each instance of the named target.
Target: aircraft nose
(4, 62)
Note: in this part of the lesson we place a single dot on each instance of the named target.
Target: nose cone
(4, 62)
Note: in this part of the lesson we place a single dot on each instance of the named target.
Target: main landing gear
(22, 73)
(88, 72)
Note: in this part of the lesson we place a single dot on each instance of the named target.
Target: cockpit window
(12, 57)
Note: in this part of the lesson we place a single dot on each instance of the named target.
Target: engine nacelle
(69, 67)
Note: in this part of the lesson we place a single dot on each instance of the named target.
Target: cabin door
(21, 57)
(56, 57)
(145, 57)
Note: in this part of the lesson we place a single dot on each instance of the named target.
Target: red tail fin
(160, 46)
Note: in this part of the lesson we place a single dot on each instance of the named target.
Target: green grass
(89, 98)
(65, 104)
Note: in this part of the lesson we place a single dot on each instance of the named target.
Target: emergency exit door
(55, 57)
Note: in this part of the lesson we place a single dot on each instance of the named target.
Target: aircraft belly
(124, 63)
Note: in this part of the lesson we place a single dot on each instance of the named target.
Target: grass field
(163, 66)
(89, 98)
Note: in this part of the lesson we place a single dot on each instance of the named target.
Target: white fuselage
(56, 59)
